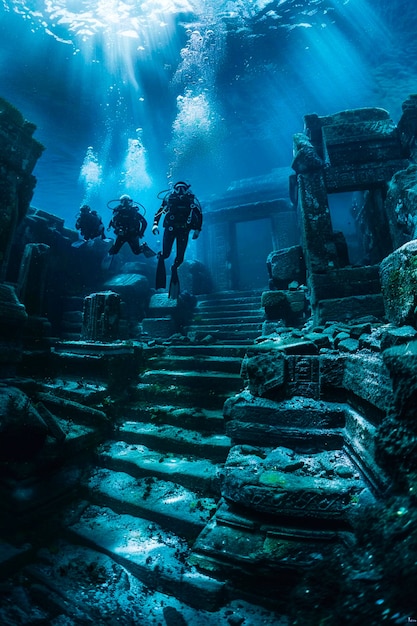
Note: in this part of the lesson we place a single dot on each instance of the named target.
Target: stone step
(156, 557)
(299, 423)
(243, 332)
(231, 328)
(297, 412)
(199, 475)
(192, 398)
(168, 504)
(234, 312)
(192, 351)
(303, 439)
(168, 438)
(201, 420)
(234, 296)
(207, 382)
(227, 321)
(198, 363)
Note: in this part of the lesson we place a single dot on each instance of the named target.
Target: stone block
(345, 282)
(101, 316)
(367, 377)
(361, 142)
(159, 328)
(401, 361)
(264, 372)
(281, 482)
(399, 284)
(285, 266)
(352, 308)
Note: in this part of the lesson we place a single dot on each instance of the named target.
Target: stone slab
(165, 437)
(164, 502)
(154, 556)
(139, 461)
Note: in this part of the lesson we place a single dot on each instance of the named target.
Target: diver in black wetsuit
(89, 224)
(182, 214)
(129, 226)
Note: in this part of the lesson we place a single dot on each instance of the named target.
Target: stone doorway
(253, 245)
(344, 209)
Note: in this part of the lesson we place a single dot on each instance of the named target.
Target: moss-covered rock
(399, 284)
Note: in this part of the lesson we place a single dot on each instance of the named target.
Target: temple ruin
(246, 454)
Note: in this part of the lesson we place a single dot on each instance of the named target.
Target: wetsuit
(182, 213)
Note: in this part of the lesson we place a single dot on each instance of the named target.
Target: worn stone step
(227, 320)
(231, 335)
(201, 420)
(198, 363)
(210, 382)
(232, 312)
(306, 439)
(167, 503)
(197, 398)
(168, 438)
(226, 328)
(298, 411)
(299, 423)
(156, 557)
(200, 475)
(237, 297)
(216, 350)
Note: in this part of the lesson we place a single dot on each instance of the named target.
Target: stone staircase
(230, 317)
(156, 483)
(204, 493)
(160, 474)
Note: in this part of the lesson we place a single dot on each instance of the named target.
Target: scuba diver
(89, 224)
(129, 226)
(182, 213)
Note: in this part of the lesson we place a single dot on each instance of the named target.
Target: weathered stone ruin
(239, 456)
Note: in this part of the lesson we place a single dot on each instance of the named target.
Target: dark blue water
(128, 96)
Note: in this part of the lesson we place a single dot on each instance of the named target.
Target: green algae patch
(273, 479)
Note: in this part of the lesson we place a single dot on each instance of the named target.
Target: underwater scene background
(130, 96)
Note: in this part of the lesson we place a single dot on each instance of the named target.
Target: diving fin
(147, 251)
(174, 285)
(161, 277)
(79, 243)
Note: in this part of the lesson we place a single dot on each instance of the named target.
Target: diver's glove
(196, 234)
(155, 229)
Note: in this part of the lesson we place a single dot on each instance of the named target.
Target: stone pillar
(101, 317)
(32, 277)
(319, 247)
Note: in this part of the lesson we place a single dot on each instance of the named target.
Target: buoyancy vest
(179, 210)
(128, 221)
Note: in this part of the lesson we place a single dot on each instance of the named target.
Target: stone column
(32, 277)
(101, 317)
(316, 225)
(319, 247)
